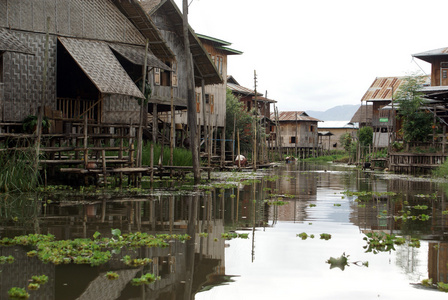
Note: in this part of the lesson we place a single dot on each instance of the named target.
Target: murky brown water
(272, 263)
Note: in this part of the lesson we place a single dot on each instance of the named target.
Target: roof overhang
(430, 56)
(137, 15)
(137, 54)
(100, 65)
(204, 68)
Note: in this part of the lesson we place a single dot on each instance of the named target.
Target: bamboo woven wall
(23, 74)
(120, 109)
(23, 77)
(99, 19)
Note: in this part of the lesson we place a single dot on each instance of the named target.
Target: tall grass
(16, 172)
(181, 156)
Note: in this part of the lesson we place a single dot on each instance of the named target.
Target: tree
(244, 121)
(365, 136)
(416, 122)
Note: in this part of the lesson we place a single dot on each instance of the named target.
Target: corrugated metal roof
(101, 66)
(136, 55)
(381, 88)
(289, 116)
(8, 42)
(336, 124)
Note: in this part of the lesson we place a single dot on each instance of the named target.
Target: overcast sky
(314, 55)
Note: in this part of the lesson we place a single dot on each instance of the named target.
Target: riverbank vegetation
(16, 172)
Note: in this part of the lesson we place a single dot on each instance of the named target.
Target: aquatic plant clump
(234, 235)
(87, 251)
(111, 275)
(342, 262)
(6, 259)
(18, 293)
(383, 242)
(145, 279)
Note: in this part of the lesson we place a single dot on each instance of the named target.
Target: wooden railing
(77, 108)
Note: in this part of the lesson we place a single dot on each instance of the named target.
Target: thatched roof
(364, 114)
(136, 55)
(101, 66)
(204, 67)
(133, 10)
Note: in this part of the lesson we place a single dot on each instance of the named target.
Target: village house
(95, 53)
(210, 66)
(298, 133)
(383, 121)
(437, 90)
(330, 133)
(363, 116)
(247, 97)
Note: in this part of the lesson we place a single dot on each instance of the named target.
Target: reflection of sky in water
(286, 267)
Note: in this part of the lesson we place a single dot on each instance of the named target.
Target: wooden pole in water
(239, 153)
(223, 144)
(191, 100)
(233, 138)
(154, 138)
(172, 130)
(40, 114)
(255, 122)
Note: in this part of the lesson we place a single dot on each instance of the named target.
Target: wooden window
(198, 102)
(311, 129)
(156, 76)
(174, 74)
(292, 140)
(444, 74)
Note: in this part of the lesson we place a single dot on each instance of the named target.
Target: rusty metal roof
(382, 88)
(292, 116)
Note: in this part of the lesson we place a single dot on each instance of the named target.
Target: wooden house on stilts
(94, 53)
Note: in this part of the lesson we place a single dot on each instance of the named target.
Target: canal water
(296, 231)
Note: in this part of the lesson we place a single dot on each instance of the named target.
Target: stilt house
(93, 52)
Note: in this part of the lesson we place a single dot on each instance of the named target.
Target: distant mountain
(337, 113)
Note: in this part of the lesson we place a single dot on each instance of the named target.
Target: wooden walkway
(413, 163)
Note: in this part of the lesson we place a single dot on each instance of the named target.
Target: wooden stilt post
(154, 138)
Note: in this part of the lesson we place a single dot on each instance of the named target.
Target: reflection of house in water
(437, 261)
(164, 214)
